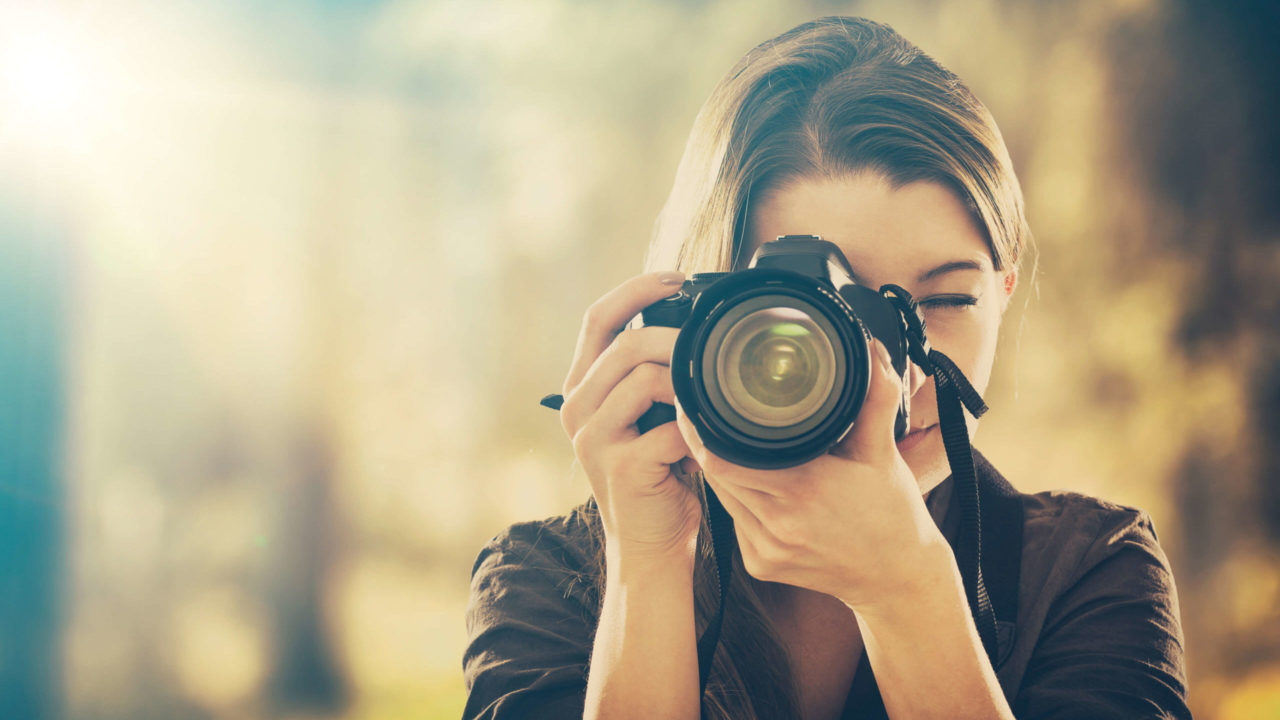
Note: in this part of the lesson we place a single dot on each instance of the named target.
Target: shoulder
(1099, 632)
(552, 543)
(1065, 534)
(1051, 507)
(530, 619)
(552, 556)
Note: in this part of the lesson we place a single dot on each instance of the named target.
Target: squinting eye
(948, 301)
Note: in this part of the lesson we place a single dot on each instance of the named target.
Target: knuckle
(653, 375)
(623, 349)
(789, 530)
(591, 318)
(629, 345)
(584, 443)
(569, 416)
(600, 319)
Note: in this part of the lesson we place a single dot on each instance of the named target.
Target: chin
(928, 462)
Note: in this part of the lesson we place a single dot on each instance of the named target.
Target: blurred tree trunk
(1199, 97)
(307, 675)
(33, 289)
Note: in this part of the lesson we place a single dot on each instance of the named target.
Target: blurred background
(281, 284)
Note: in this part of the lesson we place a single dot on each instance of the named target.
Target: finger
(609, 315)
(646, 384)
(690, 434)
(764, 482)
(663, 444)
(631, 349)
(744, 517)
(871, 438)
(748, 529)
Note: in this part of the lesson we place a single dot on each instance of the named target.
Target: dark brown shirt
(1097, 634)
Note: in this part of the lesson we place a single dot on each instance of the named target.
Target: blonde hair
(828, 98)
(831, 98)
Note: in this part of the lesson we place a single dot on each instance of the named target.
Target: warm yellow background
(325, 257)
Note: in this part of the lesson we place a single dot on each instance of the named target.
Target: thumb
(871, 438)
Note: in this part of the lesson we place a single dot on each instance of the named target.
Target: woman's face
(919, 237)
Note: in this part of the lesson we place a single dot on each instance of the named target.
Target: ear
(1010, 283)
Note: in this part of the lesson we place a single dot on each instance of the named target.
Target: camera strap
(723, 542)
(955, 395)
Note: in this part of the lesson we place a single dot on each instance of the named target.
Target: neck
(783, 601)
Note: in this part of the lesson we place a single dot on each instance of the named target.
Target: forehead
(885, 233)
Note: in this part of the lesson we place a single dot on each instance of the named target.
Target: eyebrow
(943, 269)
(950, 267)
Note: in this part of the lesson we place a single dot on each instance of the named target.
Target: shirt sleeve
(530, 633)
(1112, 644)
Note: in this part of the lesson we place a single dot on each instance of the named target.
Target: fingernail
(671, 277)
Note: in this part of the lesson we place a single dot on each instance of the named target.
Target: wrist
(954, 678)
(630, 563)
(932, 579)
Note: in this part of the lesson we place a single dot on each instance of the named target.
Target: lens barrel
(772, 367)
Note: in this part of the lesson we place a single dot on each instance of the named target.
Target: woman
(848, 600)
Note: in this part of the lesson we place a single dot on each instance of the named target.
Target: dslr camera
(772, 363)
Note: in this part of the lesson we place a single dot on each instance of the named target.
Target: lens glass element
(776, 366)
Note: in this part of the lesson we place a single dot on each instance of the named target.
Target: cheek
(970, 342)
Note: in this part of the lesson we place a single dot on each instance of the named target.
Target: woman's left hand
(851, 524)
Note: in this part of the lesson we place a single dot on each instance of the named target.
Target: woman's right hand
(646, 510)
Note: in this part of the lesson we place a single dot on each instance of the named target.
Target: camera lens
(770, 367)
(776, 367)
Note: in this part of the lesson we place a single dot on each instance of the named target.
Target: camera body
(773, 362)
